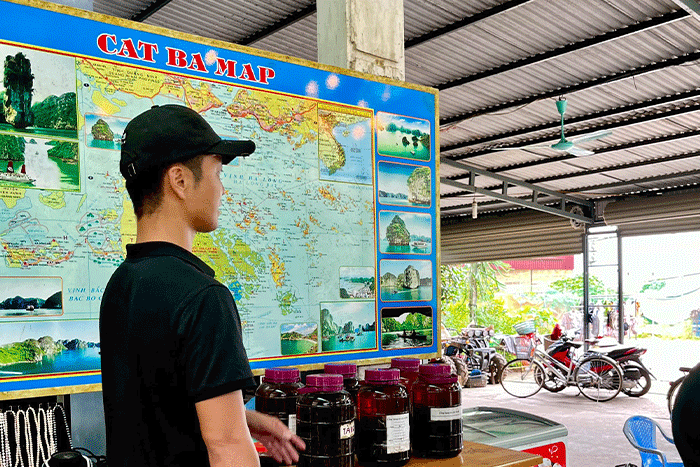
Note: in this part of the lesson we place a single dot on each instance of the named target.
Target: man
(684, 419)
(173, 362)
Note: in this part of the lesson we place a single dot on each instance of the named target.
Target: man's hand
(281, 443)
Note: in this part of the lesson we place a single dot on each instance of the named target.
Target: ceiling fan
(563, 144)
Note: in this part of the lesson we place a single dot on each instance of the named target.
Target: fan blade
(514, 148)
(591, 136)
(579, 152)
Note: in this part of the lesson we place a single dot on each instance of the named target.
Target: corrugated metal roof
(627, 81)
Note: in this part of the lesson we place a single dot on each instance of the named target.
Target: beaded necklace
(6, 453)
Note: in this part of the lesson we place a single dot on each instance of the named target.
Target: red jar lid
(437, 373)
(383, 375)
(324, 382)
(281, 375)
(348, 370)
(408, 364)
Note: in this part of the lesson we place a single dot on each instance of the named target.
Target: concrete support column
(362, 35)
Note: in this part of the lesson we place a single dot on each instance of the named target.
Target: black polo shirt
(170, 336)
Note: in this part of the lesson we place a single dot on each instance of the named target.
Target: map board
(328, 232)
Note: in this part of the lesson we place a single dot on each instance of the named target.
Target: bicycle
(598, 378)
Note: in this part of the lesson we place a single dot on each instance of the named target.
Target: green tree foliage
(469, 295)
(57, 112)
(63, 150)
(425, 140)
(18, 81)
(392, 128)
(465, 287)
(414, 321)
(12, 148)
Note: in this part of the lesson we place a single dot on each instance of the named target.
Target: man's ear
(177, 180)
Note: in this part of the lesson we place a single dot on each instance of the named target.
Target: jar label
(398, 433)
(292, 423)
(441, 414)
(347, 430)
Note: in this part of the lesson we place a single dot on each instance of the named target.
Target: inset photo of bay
(347, 326)
(298, 338)
(406, 137)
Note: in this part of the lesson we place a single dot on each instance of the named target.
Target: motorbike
(636, 379)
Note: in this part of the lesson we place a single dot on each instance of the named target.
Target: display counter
(473, 454)
(482, 455)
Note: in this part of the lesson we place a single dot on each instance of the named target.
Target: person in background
(684, 419)
(173, 361)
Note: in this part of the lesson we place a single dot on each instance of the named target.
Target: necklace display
(65, 422)
(5, 451)
(19, 458)
(30, 426)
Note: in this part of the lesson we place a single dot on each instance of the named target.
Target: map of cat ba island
(308, 223)
(285, 212)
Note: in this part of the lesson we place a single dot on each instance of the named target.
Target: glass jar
(277, 394)
(436, 429)
(383, 420)
(326, 423)
(409, 370)
(351, 383)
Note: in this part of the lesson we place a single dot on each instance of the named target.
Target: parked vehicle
(471, 350)
(636, 377)
(598, 377)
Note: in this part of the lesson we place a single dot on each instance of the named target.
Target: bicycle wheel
(598, 378)
(521, 377)
(672, 393)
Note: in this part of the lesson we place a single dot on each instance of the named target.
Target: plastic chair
(641, 433)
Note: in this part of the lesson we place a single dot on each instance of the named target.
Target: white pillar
(362, 35)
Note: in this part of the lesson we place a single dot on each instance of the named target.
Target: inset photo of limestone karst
(103, 132)
(405, 232)
(38, 93)
(405, 280)
(31, 296)
(407, 327)
(404, 184)
(406, 137)
(38, 120)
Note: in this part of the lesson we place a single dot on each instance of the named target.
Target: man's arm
(225, 432)
(281, 443)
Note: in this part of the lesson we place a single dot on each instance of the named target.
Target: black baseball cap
(171, 133)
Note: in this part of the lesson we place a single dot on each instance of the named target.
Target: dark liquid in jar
(436, 429)
(278, 400)
(326, 423)
(375, 403)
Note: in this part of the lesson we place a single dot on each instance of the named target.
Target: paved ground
(595, 437)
